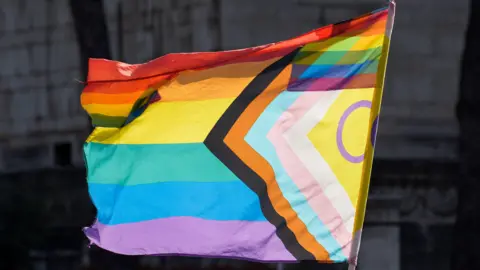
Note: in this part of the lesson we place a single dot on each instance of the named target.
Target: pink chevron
(305, 182)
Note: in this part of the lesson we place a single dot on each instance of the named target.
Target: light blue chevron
(257, 139)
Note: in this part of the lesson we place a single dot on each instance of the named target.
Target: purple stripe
(192, 236)
(317, 84)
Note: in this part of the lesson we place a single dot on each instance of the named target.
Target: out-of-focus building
(42, 125)
(41, 117)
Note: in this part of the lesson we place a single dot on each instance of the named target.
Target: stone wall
(39, 94)
(422, 80)
(39, 97)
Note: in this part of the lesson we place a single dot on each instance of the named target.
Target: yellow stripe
(344, 43)
(368, 42)
(167, 122)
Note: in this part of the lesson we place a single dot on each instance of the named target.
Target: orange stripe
(213, 83)
(235, 141)
(377, 28)
(101, 98)
(219, 82)
(366, 21)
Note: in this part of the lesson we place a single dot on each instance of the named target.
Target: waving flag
(262, 153)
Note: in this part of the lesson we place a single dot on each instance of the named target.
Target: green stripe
(130, 164)
(369, 69)
(100, 120)
(352, 57)
(337, 57)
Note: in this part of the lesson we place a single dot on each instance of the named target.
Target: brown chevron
(225, 138)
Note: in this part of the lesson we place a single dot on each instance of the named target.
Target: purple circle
(341, 125)
(373, 134)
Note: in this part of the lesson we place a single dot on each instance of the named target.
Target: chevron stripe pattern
(261, 154)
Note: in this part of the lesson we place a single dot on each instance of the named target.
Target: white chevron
(298, 140)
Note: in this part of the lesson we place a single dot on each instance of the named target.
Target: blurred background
(418, 172)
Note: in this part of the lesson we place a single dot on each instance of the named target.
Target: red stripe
(102, 70)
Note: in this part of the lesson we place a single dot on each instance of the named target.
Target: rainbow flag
(262, 153)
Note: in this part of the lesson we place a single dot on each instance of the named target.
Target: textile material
(262, 153)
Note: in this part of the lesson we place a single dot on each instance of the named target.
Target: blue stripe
(257, 138)
(118, 204)
(339, 71)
